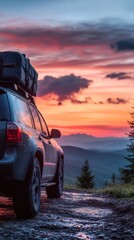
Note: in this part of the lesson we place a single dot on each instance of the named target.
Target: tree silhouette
(113, 179)
(85, 180)
(127, 173)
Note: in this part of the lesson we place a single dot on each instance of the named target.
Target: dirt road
(74, 216)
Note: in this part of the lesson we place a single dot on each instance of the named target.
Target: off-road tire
(26, 199)
(56, 191)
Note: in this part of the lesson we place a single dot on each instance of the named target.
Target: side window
(36, 119)
(44, 126)
(4, 108)
(22, 112)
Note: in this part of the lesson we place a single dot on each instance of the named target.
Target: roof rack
(13, 86)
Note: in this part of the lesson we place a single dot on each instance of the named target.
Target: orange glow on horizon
(93, 119)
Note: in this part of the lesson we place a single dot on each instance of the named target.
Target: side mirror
(55, 133)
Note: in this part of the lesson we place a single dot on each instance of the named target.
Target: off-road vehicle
(29, 156)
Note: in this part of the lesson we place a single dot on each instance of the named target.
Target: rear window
(4, 108)
(22, 111)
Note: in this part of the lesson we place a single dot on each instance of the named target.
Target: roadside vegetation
(119, 190)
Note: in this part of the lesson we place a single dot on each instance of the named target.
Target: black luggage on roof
(15, 67)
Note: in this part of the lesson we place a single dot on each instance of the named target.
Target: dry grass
(120, 190)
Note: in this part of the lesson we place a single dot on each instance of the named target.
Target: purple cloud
(76, 101)
(123, 45)
(80, 35)
(117, 101)
(64, 87)
(119, 76)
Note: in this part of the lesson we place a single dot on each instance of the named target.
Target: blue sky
(42, 11)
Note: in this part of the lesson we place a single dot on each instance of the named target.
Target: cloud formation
(119, 76)
(117, 100)
(76, 35)
(123, 45)
(64, 87)
(76, 45)
(61, 36)
(76, 101)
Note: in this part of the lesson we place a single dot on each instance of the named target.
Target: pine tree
(127, 174)
(85, 180)
(113, 178)
(106, 183)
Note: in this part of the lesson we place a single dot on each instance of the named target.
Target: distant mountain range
(91, 142)
(105, 155)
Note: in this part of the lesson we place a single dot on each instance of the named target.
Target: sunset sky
(83, 51)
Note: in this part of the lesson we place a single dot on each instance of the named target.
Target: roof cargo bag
(15, 67)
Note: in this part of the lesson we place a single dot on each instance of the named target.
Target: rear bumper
(13, 169)
(7, 164)
(14, 165)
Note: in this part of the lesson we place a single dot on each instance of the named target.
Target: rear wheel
(26, 200)
(56, 190)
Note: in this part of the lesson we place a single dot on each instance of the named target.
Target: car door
(38, 128)
(50, 149)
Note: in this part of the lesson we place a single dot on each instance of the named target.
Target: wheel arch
(39, 156)
(62, 156)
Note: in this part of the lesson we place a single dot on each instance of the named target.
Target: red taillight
(13, 133)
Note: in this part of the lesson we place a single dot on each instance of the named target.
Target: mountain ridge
(91, 142)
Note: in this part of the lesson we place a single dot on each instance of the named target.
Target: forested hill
(103, 163)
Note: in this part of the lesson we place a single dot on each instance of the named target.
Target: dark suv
(29, 156)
